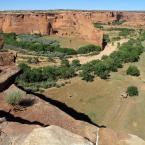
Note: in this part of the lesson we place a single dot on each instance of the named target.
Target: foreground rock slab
(54, 135)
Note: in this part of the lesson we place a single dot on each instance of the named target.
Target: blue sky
(72, 4)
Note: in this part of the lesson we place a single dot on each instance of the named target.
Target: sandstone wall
(61, 24)
(67, 23)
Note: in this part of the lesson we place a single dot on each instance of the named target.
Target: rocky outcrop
(54, 135)
(1, 42)
(43, 113)
(67, 23)
(7, 58)
(63, 24)
(8, 70)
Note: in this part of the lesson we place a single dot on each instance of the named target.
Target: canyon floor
(101, 100)
(84, 108)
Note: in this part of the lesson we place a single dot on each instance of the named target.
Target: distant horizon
(72, 10)
(111, 5)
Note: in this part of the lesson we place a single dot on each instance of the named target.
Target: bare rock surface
(1, 42)
(54, 135)
(110, 137)
(7, 58)
(43, 113)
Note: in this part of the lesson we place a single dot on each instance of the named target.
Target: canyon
(67, 23)
(43, 120)
(46, 122)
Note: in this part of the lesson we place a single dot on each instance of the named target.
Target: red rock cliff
(61, 24)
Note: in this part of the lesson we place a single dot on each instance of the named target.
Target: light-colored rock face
(54, 135)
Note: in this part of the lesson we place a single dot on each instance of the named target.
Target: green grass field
(66, 43)
(101, 100)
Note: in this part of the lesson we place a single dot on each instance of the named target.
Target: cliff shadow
(62, 106)
(11, 118)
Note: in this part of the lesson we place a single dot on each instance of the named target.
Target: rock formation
(67, 23)
(8, 70)
(7, 58)
(54, 135)
(64, 24)
(1, 42)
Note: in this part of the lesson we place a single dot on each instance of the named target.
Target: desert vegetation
(45, 77)
(133, 71)
(128, 52)
(43, 46)
(132, 91)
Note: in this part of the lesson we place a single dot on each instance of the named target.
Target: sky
(72, 4)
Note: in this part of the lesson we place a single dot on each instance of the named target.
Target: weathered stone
(64, 24)
(1, 42)
(7, 58)
(54, 135)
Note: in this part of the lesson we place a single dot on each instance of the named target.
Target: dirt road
(107, 51)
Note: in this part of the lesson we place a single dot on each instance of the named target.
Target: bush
(14, 98)
(132, 91)
(98, 25)
(118, 22)
(76, 64)
(65, 63)
(106, 38)
(133, 71)
(86, 72)
(88, 49)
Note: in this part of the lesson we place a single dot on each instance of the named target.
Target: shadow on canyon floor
(62, 106)
(11, 118)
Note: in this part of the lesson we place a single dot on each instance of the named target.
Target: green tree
(132, 91)
(76, 64)
(88, 49)
(65, 63)
(133, 71)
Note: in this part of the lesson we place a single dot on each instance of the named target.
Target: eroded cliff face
(1, 42)
(63, 24)
(67, 23)
(132, 19)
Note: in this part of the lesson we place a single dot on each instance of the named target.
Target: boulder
(54, 135)
(7, 58)
(1, 42)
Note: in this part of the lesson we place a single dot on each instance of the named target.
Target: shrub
(86, 72)
(65, 63)
(98, 25)
(132, 91)
(76, 63)
(88, 49)
(118, 22)
(87, 76)
(14, 98)
(133, 71)
(101, 70)
(106, 38)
